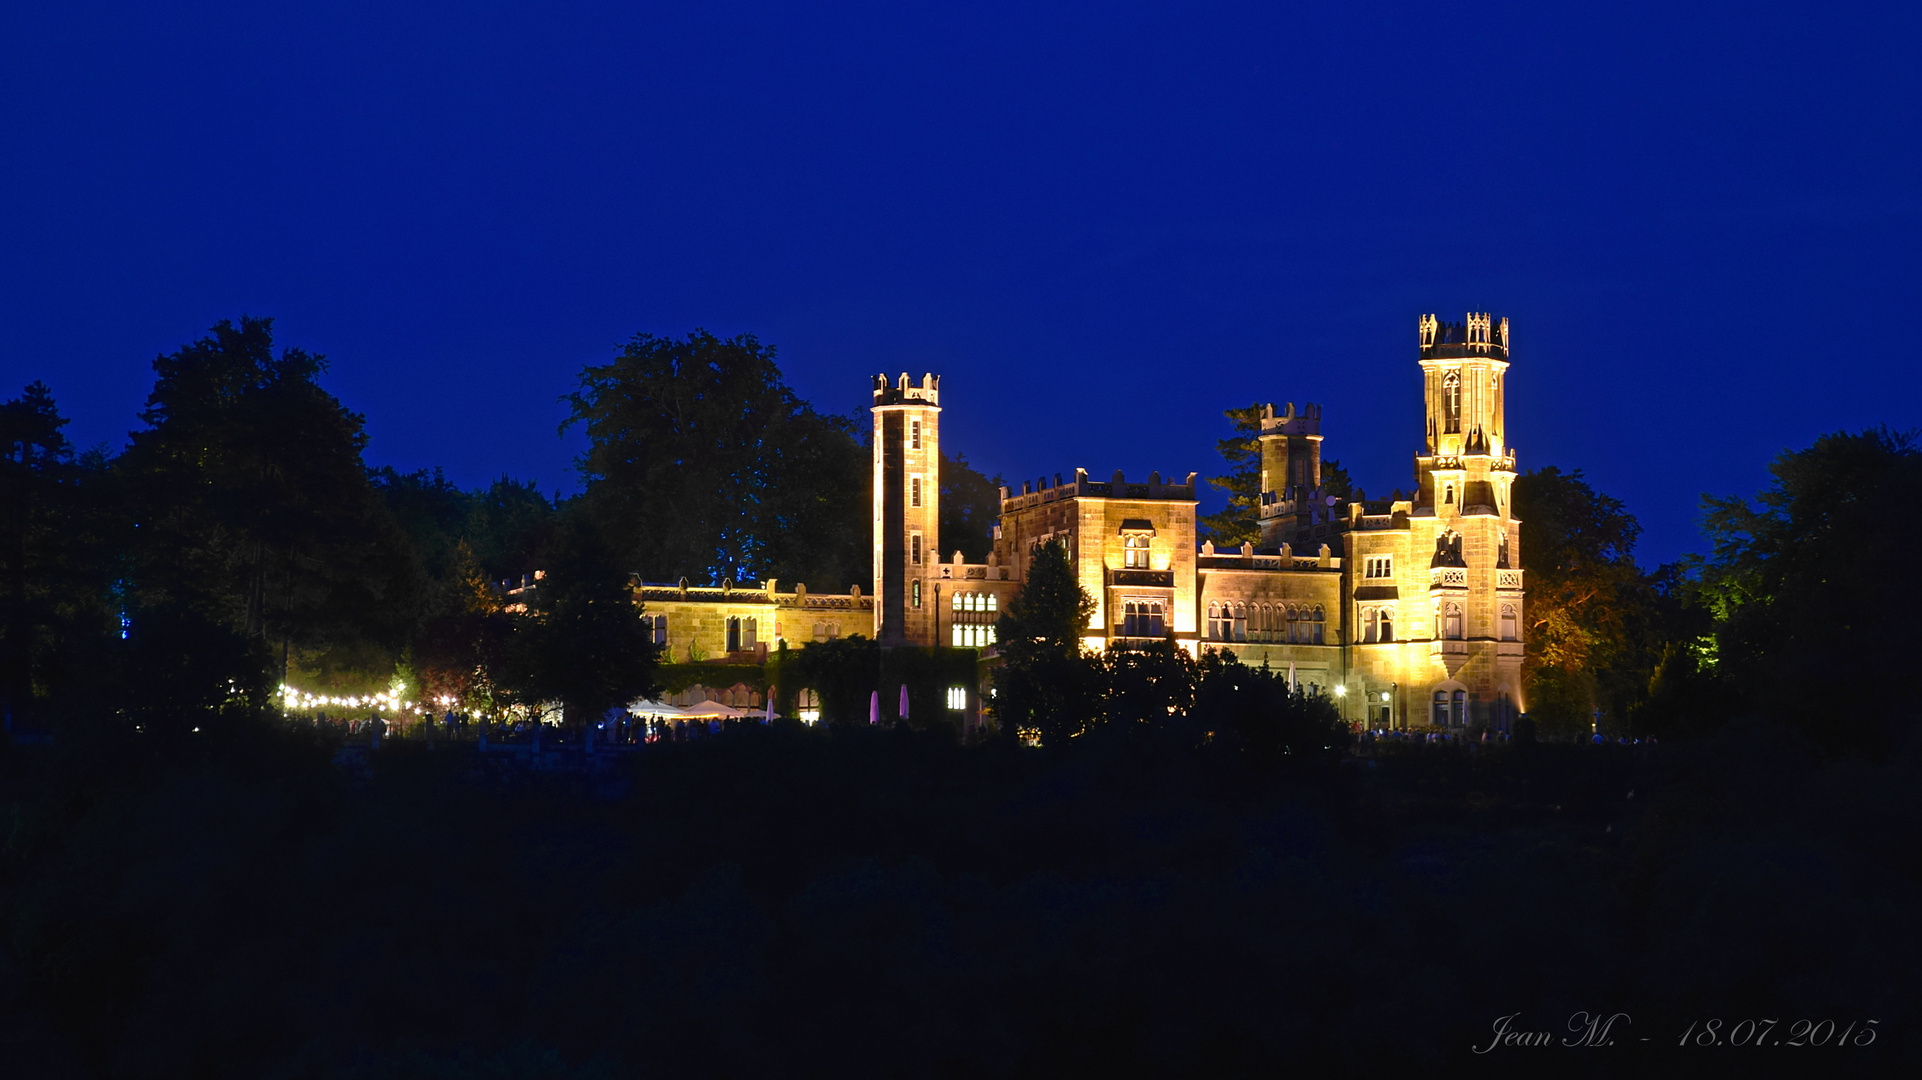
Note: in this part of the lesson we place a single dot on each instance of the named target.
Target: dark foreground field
(782, 902)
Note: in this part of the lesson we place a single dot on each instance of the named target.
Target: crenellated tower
(1466, 461)
(907, 508)
(1291, 497)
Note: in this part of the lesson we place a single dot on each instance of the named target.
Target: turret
(1290, 471)
(907, 507)
(1465, 460)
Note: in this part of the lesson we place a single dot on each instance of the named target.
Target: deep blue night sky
(1101, 223)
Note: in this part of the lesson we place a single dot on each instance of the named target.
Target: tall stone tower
(1466, 461)
(1291, 498)
(907, 508)
(1465, 475)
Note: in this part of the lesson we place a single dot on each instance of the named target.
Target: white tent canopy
(645, 707)
(711, 709)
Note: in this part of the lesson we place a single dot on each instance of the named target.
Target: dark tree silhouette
(1808, 587)
(54, 560)
(251, 503)
(1044, 689)
(584, 644)
(710, 467)
(970, 505)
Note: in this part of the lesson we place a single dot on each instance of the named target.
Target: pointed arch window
(1452, 622)
(1452, 403)
(1214, 621)
(1321, 626)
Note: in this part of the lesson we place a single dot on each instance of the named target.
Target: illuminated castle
(1409, 611)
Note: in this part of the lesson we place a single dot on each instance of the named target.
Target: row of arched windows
(1143, 619)
(1290, 624)
(743, 633)
(974, 617)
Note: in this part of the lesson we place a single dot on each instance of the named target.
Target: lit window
(957, 698)
(1143, 619)
(660, 630)
(1371, 624)
(1134, 552)
(1452, 402)
(750, 632)
(914, 589)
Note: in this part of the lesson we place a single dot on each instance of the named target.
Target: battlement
(905, 392)
(1035, 492)
(1480, 335)
(1289, 422)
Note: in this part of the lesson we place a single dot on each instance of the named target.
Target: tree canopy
(1239, 522)
(970, 505)
(1808, 589)
(704, 464)
(54, 562)
(1587, 599)
(584, 645)
(1041, 688)
(251, 502)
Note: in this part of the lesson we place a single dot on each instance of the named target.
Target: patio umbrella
(1291, 676)
(874, 707)
(904, 701)
(767, 717)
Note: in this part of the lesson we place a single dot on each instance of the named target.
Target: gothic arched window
(1371, 625)
(1452, 403)
(1452, 622)
(1387, 625)
(1321, 624)
(1214, 621)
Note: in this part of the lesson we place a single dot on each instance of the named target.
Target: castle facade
(1407, 611)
